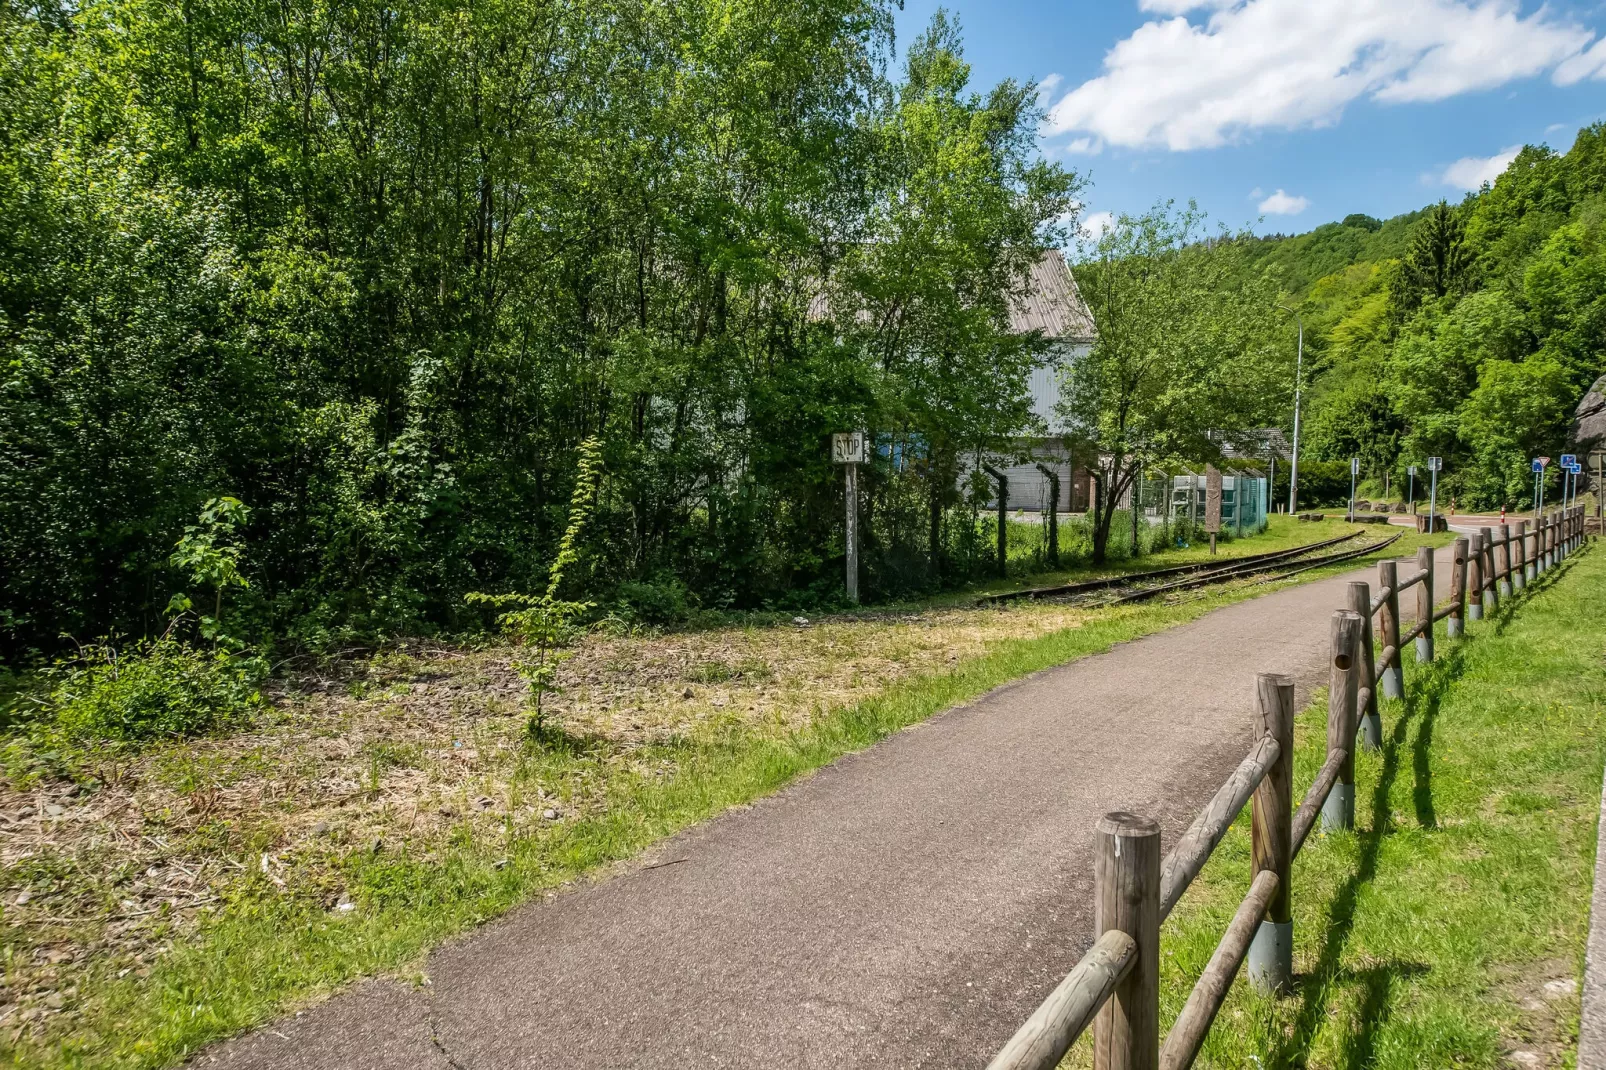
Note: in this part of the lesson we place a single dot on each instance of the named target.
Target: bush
(663, 601)
(146, 691)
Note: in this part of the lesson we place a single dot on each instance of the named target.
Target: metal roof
(1050, 303)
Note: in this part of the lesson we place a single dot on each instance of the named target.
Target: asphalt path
(906, 906)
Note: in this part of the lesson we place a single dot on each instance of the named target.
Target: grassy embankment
(1448, 929)
(213, 883)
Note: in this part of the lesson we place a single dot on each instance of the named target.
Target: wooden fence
(1116, 985)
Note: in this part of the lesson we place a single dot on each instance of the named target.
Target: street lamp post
(1299, 371)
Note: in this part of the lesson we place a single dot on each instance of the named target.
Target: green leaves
(544, 624)
(1191, 351)
(381, 269)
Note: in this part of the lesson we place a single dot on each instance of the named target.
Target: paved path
(907, 906)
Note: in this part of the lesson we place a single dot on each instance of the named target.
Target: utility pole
(1299, 371)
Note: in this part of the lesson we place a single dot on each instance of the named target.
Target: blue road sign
(1539, 466)
(1568, 460)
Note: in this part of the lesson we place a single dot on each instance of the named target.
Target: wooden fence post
(1530, 563)
(1475, 583)
(1424, 604)
(1488, 600)
(1506, 587)
(1388, 578)
(1003, 517)
(1343, 683)
(1126, 896)
(1455, 626)
(1053, 518)
(1360, 602)
(1271, 954)
(1524, 563)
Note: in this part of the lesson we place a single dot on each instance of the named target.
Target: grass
(277, 937)
(1448, 929)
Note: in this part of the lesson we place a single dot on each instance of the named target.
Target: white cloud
(1084, 146)
(1471, 172)
(1095, 224)
(1046, 87)
(1180, 7)
(1281, 203)
(1247, 65)
(1591, 64)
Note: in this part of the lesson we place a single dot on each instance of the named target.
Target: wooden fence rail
(1115, 986)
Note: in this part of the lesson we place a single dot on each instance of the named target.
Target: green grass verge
(1429, 935)
(266, 950)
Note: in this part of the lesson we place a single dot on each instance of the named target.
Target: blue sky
(1285, 114)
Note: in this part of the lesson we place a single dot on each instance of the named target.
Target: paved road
(907, 906)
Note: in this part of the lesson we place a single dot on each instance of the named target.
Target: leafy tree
(1436, 263)
(209, 555)
(544, 624)
(1189, 353)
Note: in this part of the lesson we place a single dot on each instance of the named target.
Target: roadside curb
(1592, 1006)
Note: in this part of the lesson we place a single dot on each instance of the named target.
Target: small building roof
(1052, 303)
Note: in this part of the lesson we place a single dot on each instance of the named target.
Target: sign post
(847, 449)
(1412, 471)
(1212, 504)
(1354, 471)
(1539, 475)
(1434, 464)
(1569, 464)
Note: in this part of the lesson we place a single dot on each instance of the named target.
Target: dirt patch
(1546, 1029)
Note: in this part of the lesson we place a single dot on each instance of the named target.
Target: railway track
(1137, 586)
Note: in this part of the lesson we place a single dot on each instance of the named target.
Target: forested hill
(1467, 331)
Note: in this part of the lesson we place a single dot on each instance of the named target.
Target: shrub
(663, 601)
(146, 691)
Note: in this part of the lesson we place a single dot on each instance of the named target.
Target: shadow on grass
(1377, 1004)
(1420, 708)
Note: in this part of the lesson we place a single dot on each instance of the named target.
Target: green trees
(376, 271)
(1475, 340)
(1189, 354)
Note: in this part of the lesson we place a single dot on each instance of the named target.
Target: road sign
(1435, 464)
(1411, 470)
(847, 447)
(1539, 463)
(1568, 460)
(1354, 466)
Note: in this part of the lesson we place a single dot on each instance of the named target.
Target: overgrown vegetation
(111, 698)
(542, 625)
(378, 270)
